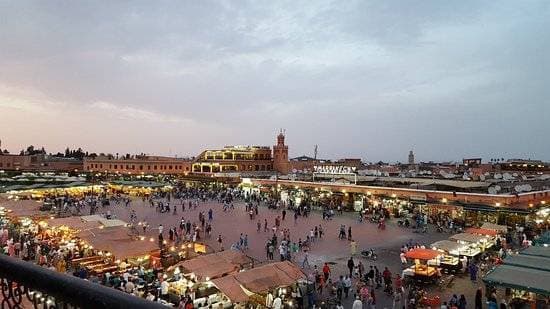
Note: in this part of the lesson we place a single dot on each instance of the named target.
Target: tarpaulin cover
(422, 254)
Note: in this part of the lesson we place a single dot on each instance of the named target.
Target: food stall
(481, 231)
(423, 268)
(196, 275)
(478, 243)
(137, 187)
(502, 229)
(253, 286)
(526, 278)
(449, 260)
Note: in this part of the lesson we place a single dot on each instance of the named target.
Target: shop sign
(421, 198)
(335, 169)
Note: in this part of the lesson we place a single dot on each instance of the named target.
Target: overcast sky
(369, 79)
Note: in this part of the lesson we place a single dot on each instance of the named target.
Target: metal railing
(25, 285)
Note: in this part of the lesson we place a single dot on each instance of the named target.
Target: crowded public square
(274, 154)
(344, 259)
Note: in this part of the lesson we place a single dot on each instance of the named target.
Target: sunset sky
(369, 79)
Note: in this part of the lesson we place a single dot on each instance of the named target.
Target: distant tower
(280, 155)
(315, 152)
(411, 158)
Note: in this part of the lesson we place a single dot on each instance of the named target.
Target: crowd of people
(359, 285)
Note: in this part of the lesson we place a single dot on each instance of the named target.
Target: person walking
(326, 271)
(353, 247)
(351, 265)
(396, 300)
(347, 286)
(478, 299)
(462, 302)
(220, 240)
(340, 288)
(357, 303)
(305, 262)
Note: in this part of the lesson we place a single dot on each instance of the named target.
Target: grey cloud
(448, 78)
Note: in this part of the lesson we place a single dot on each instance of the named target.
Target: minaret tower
(280, 155)
(411, 158)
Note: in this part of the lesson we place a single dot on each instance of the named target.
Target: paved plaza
(330, 249)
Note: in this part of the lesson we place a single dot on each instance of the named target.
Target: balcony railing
(26, 285)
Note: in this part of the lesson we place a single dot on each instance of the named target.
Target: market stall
(137, 187)
(481, 231)
(216, 265)
(265, 282)
(451, 251)
(424, 261)
(104, 221)
(525, 276)
(537, 251)
(196, 275)
(476, 242)
(26, 208)
(116, 242)
(496, 227)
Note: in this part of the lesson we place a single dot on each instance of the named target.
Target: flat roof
(537, 251)
(521, 278)
(529, 261)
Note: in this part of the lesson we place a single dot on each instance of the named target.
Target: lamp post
(276, 186)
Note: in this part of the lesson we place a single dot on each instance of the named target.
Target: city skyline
(359, 79)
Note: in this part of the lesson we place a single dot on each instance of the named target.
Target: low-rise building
(39, 163)
(138, 165)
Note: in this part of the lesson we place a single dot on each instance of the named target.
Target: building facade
(138, 165)
(39, 163)
(234, 159)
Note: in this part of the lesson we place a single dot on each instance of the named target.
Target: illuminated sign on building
(335, 169)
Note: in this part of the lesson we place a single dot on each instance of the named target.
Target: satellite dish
(497, 187)
(527, 188)
(482, 177)
(507, 176)
(498, 176)
(515, 174)
(518, 188)
(492, 190)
